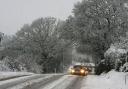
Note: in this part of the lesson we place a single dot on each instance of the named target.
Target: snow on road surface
(61, 83)
(12, 82)
(8, 75)
(29, 83)
(111, 80)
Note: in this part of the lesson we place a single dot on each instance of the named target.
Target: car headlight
(72, 70)
(82, 71)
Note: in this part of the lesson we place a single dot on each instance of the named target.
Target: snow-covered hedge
(18, 64)
(118, 55)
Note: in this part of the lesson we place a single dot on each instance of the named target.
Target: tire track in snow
(12, 82)
(77, 84)
(42, 82)
(61, 83)
(12, 77)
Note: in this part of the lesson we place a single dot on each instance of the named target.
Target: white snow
(28, 83)
(112, 80)
(61, 83)
(6, 75)
(11, 82)
(116, 51)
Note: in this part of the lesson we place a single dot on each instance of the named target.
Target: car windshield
(78, 67)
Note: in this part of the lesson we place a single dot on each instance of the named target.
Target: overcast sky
(15, 13)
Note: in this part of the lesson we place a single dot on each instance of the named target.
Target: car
(79, 70)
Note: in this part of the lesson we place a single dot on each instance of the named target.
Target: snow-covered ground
(61, 83)
(111, 80)
(31, 82)
(6, 75)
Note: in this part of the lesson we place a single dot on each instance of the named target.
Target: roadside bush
(104, 66)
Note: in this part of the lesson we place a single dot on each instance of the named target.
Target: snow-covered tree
(39, 44)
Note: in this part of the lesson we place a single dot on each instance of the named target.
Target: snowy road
(43, 81)
(111, 80)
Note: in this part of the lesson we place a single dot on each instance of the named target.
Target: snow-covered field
(112, 80)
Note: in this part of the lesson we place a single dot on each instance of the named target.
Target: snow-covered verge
(6, 75)
(111, 80)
